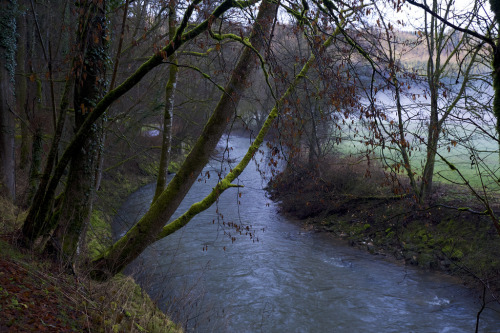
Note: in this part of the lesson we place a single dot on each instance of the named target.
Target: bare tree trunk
(435, 39)
(36, 162)
(32, 230)
(36, 147)
(167, 128)
(495, 8)
(22, 90)
(432, 145)
(166, 146)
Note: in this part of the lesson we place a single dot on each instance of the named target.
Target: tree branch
(485, 39)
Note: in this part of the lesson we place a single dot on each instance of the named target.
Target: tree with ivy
(8, 13)
(89, 69)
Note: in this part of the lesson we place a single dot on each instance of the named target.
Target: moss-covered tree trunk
(7, 165)
(89, 88)
(8, 11)
(146, 231)
(226, 183)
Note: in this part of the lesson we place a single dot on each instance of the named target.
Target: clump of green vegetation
(99, 236)
(150, 168)
(174, 166)
(11, 216)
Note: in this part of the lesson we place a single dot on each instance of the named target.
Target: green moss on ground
(36, 294)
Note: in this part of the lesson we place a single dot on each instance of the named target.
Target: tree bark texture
(36, 162)
(90, 85)
(22, 89)
(7, 162)
(8, 10)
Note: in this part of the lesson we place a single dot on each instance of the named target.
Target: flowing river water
(290, 279)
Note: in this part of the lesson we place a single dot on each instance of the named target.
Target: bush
(306, 192)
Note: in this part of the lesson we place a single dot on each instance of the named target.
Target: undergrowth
(38, 295)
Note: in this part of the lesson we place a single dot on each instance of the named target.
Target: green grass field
(475, 156)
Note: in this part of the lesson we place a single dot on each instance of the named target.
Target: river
(284, 278)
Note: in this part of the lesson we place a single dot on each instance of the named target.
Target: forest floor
(39, 295)
(361, 207)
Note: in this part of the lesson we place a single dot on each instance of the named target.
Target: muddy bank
(366, 213)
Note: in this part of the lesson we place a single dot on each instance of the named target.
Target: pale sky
(413, 15)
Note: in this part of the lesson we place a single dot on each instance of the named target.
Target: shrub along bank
(358, 204)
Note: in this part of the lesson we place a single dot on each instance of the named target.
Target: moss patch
(100, 234)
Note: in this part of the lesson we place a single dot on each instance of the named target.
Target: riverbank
(36, 294)
(361, 208)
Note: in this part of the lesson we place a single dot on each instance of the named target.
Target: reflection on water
(289, 280)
